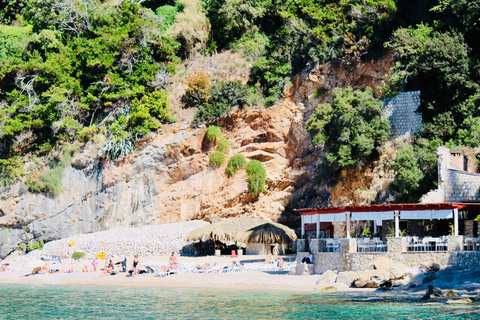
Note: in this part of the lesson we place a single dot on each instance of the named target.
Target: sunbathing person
(5, 267)
(280, 262)
(85, 269)
(173, 261)
(269, 259)
(36, 270)
(109, 269)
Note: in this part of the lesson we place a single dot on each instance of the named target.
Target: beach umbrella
(227, 230)
(35, 263)
(268, 232)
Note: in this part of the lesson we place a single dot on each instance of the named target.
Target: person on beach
(276, 250)
(173, 261)
(109, 269)
(5, 267)
(85, 269)
(135, 265)
(308, 259)
(36, 270)
(94, 264)
(124, 265)
(269, 259)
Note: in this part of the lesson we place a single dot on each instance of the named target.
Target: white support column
(318, 225)
(397, 223)
(455, 221)
(303, 226)
(348, 225)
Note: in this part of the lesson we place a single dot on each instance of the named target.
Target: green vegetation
(217, 159)
(34, 246)
(350, 128)
(213, 133)
(256, 177)
(198, 90)
(223, 145)
(51, 179)
(222, 98)
(77, 255)
(235, 163)
(97, 70)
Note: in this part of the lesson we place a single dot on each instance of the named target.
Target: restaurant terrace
(346, 252)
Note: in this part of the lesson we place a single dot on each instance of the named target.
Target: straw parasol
(268, 232)
(227, 230)
(35, 263)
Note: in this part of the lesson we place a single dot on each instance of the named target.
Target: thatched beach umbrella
(226, 230)
(269, 232)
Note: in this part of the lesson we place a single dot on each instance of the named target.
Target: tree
(351, 127)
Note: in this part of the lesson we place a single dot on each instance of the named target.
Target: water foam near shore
(91, 302)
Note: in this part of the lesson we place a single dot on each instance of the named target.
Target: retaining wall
(347, 259)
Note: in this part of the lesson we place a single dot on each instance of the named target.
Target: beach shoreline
(242, 280)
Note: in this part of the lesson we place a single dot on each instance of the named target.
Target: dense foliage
(293, 34)
(217, 158)
(220, 99)
(350, 128)
(256, 177)
(70, 65)
(213, 133)
(101, 70)
(235, 163)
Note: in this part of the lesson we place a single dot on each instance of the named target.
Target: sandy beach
(244, 280)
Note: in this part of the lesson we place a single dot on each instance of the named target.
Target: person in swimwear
(135, 265)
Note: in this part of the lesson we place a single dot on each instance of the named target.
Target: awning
(373, 215)
(313, 226)
(426, 214)
(324, 217)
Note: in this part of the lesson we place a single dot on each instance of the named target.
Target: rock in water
(426, 297)
(460, 301)
(327, 289)
(431, 290)
(450, 293)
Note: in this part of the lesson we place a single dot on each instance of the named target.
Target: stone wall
(350, 260)
(401, 111)
(453, 185)
(462, 186)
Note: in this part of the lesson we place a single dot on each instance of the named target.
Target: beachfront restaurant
(446, 233)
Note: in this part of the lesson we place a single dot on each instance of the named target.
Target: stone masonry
(401, 111)
(348, 259)
(454, 185)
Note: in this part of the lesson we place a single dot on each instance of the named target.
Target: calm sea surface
(83, 302)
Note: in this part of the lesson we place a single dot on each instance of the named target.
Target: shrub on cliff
(351, 127)
(235, 163)
(198, 91)
(223, 145)
(256, 177)
(213, 133)
(224, 97)
(217, 158)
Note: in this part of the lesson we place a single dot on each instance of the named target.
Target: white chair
(361, 245)
(382, 246)
(441, 245)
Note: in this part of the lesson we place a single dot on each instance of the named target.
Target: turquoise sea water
(84, 302)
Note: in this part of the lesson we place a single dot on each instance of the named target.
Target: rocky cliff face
(169, 179)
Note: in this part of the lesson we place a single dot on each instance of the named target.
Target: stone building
(458, 180)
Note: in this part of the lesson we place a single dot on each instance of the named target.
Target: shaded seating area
(371, 245)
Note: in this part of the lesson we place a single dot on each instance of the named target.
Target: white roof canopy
(426, 214)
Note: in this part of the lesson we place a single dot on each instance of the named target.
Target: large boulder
(346, 277)
(384, 264)
(328, 276)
